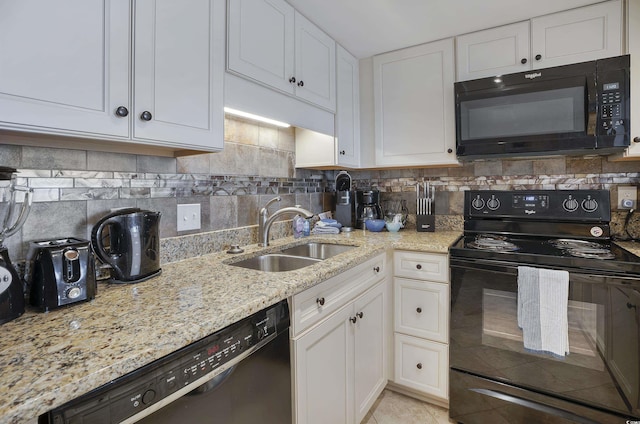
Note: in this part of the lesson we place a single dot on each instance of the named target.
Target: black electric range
(494, 375)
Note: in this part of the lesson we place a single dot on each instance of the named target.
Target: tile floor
(394, 408)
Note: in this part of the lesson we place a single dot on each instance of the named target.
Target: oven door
(598, 376)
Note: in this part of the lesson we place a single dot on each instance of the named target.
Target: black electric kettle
(128, 241)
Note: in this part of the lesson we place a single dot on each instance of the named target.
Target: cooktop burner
(493, 242)
(584, 248)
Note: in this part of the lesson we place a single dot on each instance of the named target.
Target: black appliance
(60, 272)
(128, 240)
(582, 108)
(240, 374)
(345, 201)
(367, 206)
(493, 377)
(11, 285)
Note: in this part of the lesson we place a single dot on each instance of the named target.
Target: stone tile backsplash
(74, 188)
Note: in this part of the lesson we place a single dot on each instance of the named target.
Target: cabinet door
(421, 266)
(179, 66)
(414, 106)
(422, 365)
(315, 68)
(60, 73)
(577, 35)
(495, 51)
(261, 41)
(369, 349)
(422, 309)
(633, 44)
(323, 367)
(347, 109)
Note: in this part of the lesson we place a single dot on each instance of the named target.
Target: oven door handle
(509, 268)
(491, 266)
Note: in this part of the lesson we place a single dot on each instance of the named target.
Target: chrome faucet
(265, 221)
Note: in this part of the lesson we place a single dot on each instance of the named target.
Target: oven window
(556, 111)
(602, 365)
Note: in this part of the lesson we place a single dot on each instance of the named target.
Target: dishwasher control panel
(182, 371)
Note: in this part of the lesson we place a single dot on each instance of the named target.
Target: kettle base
(139, 279)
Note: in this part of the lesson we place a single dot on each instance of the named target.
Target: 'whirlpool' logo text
(533, 75)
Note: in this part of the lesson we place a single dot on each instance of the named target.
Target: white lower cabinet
(339, 362)
(422, 365)
(421, 324)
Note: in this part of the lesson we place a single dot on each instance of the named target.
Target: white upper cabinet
(179, 71)
(577, 35)
(269, 42)
(68, 68)
(633, 45)
(348, 109)
(315, 69)
(65, 66)
(315, 150)
(414, 106)
(494, 51)
(261, 41)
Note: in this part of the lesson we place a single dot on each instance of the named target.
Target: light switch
(188, 217)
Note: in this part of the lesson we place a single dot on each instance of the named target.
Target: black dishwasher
(238, 375)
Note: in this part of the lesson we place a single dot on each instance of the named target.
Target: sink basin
(317, 250)
(275, 262)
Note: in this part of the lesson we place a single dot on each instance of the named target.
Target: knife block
(425, 223)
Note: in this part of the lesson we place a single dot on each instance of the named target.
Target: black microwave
(582, 108)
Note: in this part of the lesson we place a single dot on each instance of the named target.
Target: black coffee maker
(345, 201)
(11, 285)
(367, 206)
(128, 240)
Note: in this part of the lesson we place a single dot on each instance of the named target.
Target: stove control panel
(583, 205)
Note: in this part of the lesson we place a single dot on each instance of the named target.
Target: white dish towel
(543, 297)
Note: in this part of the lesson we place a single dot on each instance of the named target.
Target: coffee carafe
(11, 220)
(368, 206)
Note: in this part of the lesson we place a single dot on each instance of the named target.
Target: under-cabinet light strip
(255, 117)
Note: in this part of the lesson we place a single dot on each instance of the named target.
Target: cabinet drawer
(318, 302)
(422, 365)
(423, 266)
(422, 309)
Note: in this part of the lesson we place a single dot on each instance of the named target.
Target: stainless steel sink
(317, 250)
(275, 262)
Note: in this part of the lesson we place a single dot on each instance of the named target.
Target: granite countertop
(631, 246)
(47, 359)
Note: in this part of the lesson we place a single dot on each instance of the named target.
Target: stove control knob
(570, 204)
(493, 203)
(477, 203)
(589, 205)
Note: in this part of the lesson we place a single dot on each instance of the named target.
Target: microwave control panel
(613, 113)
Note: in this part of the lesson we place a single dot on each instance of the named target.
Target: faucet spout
(266, 221)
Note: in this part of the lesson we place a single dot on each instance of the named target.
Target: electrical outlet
(627, 197)
(188, 217)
